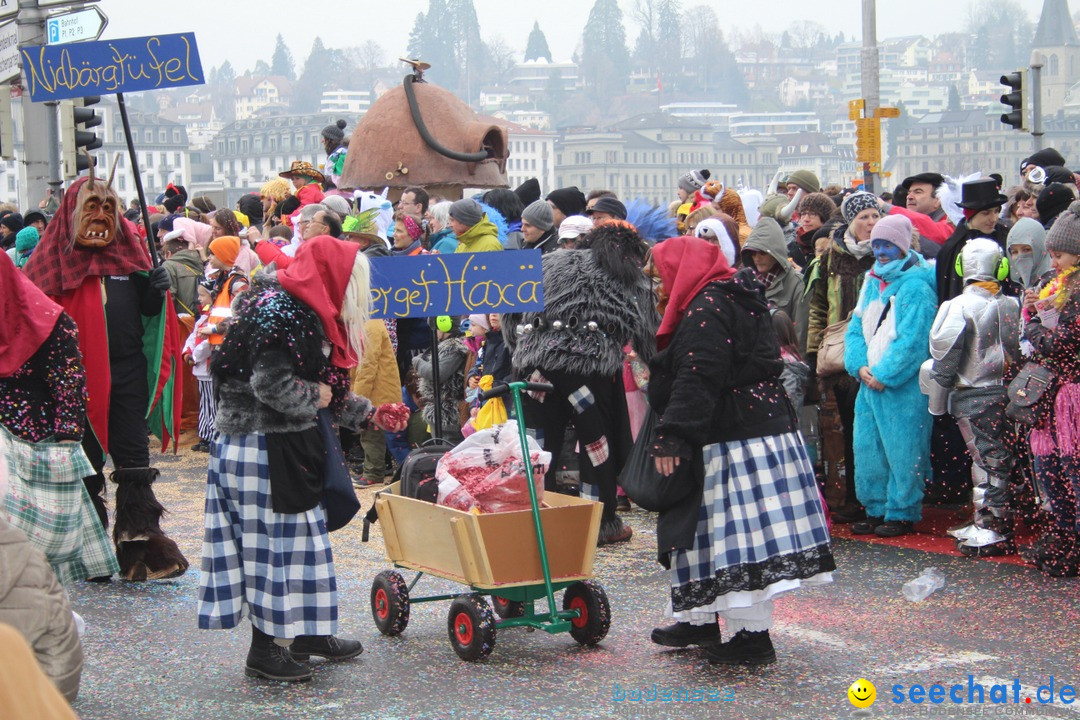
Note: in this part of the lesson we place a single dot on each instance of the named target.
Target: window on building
(149, 160)
(176, 159)
(164, 160)
(162, 136)
(1053, 65)
(243, 165)
(123, 183)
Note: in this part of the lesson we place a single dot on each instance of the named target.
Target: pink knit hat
(895, 229)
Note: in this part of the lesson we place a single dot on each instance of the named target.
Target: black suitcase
(416, 475)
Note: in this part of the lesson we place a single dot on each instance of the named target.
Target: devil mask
(97, 214)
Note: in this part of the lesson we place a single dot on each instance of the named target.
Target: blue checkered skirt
(761, 529)
(276, 568)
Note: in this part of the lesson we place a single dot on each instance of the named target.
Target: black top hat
(934, 179)
(981, 194)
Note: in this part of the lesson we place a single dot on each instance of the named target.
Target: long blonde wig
(356, 310)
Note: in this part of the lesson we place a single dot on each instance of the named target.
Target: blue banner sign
(107, 67)
(420, 286)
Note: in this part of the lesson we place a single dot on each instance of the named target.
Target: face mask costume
(92, 262)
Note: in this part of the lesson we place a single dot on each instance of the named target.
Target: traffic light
(1016, 99)
(73, 114)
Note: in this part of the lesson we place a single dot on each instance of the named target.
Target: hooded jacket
(833, 283)
(33, 602)
(481, 237)
(786, 292)
(185, 269)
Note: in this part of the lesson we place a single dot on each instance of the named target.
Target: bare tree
(371, 56)
(503, 59)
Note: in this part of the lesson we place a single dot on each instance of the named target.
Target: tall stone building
(1057, 41)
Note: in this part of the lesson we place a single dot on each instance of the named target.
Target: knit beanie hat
(226, 249)
(26, 238)
(335, 132)
(528, 192)
(895, 229)
(467, 212)
(1064, 234)
(539, 215)
(817, 203)
(1044, 158)
(13, 222)
(569, 200)
(1058, 174)
(1052, 201)
(480, 320)
(856, 202)
(805, 179)
(694, 180)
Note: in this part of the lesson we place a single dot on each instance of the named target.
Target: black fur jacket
(577, 292)
(269, 368)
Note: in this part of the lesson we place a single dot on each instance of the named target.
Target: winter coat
(269, 368)
(719, 378)
(832, 287)
(481, 237)
(443, 242)
(452, 355)
(1059, 350)
(577, 289)
(377, 377)
(949, 284)
(496, 358)
(185, 270)
(787, 292)
(33, 602)
(548, 241)
(794, 377)
(895, 346)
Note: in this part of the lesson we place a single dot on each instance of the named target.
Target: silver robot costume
(974, 342)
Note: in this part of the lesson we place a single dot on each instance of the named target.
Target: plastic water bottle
(924, 586)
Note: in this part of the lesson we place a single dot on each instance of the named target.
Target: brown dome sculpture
(388, 149)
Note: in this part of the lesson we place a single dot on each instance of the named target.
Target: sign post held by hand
(113, 67)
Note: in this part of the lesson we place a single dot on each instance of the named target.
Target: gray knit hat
(856, 202)
(1064, 234)
(539, 215)
(335, 132)
(694, 180)
(467, 212)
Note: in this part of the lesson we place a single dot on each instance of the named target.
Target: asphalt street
(145, 657)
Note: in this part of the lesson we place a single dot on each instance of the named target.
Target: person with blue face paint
(887, 340)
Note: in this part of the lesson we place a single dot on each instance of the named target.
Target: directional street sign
(57, 3)
(75, 26)
(8, 8)
(9, 52)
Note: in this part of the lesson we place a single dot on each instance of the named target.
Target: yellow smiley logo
(862, 693)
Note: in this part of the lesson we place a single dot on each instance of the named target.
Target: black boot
(745, 648)
(683, 634)
(866, 526)
(267, 659)
(325, 646)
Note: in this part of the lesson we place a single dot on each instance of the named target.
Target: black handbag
(1030, 393)
(647, 487)
(339, 500)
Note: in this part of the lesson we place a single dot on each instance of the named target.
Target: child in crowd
(197, 354)
(974, 347)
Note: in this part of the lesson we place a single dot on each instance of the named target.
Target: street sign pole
(37, 156)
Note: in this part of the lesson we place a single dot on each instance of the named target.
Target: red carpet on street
(930, 535)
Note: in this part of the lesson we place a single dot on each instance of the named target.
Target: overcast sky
(243, 31)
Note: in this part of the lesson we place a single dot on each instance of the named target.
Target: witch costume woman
(266, 552)
(756, 527)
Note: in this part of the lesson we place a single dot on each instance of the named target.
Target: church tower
(1057, 41)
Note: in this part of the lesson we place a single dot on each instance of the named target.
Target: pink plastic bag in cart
(486, 472)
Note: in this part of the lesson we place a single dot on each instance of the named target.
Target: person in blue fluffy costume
(887, 340)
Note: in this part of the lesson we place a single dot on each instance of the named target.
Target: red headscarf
(317, 277)
(28, 317)
(58, 267)
(686, 265)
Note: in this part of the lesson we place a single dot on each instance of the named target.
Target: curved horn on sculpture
(422, 128)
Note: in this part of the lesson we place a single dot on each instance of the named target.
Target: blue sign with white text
(420, 286)
(107, 67)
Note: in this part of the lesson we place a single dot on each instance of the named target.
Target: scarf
(891, 270)
(59, 267)
(29, 317)
(686, 265)
(318, 277)
(858, 248)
